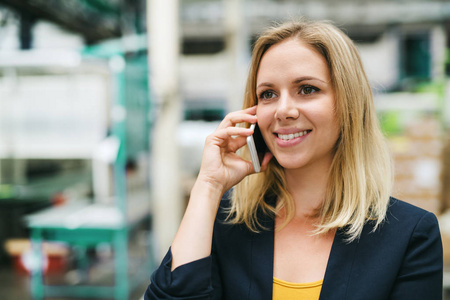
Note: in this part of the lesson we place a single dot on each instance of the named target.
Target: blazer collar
(337, 272)
(339, 268)
(262, 252)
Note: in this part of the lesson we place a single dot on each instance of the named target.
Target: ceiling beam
(73, 15)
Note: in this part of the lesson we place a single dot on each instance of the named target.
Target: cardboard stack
(444, 218)
(417, 159)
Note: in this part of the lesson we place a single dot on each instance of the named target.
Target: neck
(307, 187)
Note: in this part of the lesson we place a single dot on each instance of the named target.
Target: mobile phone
(257, 147)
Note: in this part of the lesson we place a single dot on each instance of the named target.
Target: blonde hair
(360, 178)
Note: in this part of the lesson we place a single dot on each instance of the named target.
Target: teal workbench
(84, 225)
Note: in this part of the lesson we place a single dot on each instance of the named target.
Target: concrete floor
(16, 286)
(12, 285)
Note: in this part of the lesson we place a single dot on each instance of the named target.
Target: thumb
(267, 157)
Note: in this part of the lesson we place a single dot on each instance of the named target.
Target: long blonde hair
(360, 178)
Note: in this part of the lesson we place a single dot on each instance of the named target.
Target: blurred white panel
(204, 76)
(381, 60)
(50, 36)
(40, 58)
(191, 139)
(52, 116)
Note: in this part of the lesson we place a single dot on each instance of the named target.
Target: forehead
(292, 57)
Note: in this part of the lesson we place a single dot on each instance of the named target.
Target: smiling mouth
(287, 137)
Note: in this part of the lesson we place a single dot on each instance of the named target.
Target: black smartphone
(257, 147)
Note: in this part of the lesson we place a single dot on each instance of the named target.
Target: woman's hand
(221, 166)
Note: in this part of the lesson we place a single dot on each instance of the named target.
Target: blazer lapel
(339, 268)
(262, 261)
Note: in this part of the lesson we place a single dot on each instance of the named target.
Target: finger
(245, 165)
(250, 110)
(237, 118)
(228, 132)
(250, 168)
(267, 157)
(247, 115)
(237, 143)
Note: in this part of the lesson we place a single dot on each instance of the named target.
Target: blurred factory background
(105, 105)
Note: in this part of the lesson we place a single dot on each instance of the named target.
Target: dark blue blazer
(402, 259)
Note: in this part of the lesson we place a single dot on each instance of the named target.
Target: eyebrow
(295, 81)
(305, 78)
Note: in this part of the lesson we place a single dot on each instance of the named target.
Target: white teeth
(287, 137)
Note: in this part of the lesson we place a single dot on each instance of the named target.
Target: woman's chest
(300, 256)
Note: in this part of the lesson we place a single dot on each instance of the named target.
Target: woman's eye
(267, 95)
(308, 89)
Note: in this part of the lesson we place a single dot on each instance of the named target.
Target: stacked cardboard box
(444, 218)
(417, 158)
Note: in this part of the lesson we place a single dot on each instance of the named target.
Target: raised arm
(189, 271)
(221, 168)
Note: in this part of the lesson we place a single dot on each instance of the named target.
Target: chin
(289, 164)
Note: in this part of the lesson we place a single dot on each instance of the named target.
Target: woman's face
(296, 105)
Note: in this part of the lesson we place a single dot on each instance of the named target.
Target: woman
(317, 222)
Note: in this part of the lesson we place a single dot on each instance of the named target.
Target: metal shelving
(116, 96)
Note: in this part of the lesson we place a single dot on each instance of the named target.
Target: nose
(286, 108)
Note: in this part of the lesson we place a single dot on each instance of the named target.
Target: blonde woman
(317, 222)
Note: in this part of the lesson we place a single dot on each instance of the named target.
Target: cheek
(265, 118)
(326, 115)
(264, 115)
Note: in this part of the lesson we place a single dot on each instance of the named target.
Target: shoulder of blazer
(382, 250)
(228, 235)
(399, 213)
(403, 214)
(401, 220)
(225, 205)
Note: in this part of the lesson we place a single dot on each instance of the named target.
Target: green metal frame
(117, 236)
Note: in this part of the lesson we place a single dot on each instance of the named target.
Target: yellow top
(283, 290)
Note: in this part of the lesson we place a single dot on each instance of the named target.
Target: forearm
(194, 236)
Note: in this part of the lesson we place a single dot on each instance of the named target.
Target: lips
(290, 137)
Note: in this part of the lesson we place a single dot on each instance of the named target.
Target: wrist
(209, 185)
